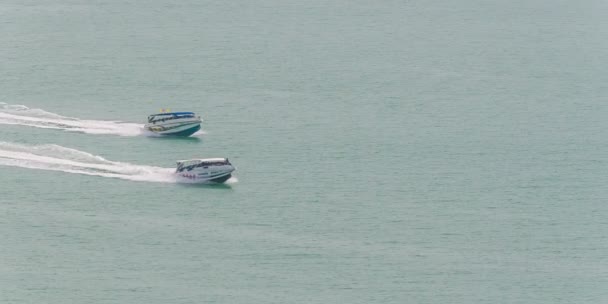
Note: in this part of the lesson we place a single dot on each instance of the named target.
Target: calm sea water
(387, 151)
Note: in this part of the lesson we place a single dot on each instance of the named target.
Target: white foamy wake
(24, 116)
(58, 158)
(232, 180)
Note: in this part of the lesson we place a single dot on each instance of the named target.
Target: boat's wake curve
(24, 116)
(58, 158)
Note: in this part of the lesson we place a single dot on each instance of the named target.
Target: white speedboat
(174, 123)
(208, 170)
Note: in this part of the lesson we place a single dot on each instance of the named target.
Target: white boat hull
(201, 179)
(216, 170)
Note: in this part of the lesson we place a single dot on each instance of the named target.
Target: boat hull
(177, 131)
(197, 179)
(220, 180)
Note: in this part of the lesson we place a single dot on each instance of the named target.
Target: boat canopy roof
(169, 116)
(173, 113)
(202, 160)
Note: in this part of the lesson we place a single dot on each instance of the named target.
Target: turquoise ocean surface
(386, 151)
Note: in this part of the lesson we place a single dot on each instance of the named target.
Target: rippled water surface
(386, 151)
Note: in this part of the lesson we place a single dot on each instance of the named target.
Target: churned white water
(58, 158)
(23, 116)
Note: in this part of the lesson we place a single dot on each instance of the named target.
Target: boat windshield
(169, 116)
(185, 167)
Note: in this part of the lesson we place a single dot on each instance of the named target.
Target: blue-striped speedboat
(174, 123)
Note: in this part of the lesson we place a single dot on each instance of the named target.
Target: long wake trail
(57, 158)
(24, 116)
